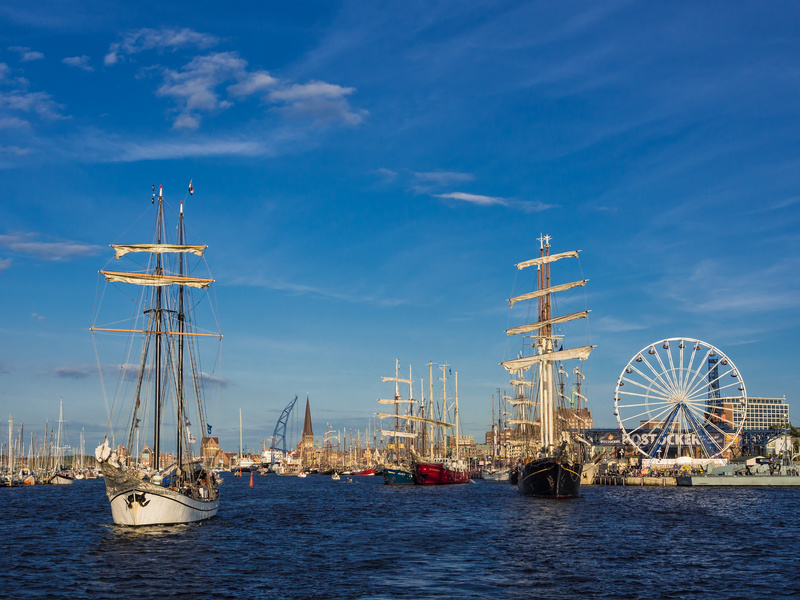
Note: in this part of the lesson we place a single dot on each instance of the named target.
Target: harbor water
(287, 538)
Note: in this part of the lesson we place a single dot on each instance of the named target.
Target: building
(763, 413)
(577, 419)
(212, 454)
(308, 430)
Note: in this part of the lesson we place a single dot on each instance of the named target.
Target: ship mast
(181, 324)
(157, 315)
(546, 347)
(546, 353)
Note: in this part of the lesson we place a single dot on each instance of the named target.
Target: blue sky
(367, 175)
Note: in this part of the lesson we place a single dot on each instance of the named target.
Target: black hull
(551, 478)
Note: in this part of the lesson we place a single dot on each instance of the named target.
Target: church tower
(308, 431)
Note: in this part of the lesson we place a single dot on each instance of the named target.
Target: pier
(638, 481)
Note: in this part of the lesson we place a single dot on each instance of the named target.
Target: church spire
(308, 431)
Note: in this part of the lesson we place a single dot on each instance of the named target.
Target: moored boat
(548, 421)
(440, 473)
(398, 476)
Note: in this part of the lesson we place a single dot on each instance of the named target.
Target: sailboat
(444, 469)
(59, 475)
(163, 395)
(398, 471)
(552, 456)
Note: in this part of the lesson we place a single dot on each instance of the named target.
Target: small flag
(208, 425)
(191, 189)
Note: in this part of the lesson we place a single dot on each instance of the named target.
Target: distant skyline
(367, 176)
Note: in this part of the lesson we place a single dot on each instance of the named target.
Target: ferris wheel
(680, 397)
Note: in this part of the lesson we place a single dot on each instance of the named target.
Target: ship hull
(59, 479)
(438, 474)
(137, 503)
(398, 477)
(548, 477)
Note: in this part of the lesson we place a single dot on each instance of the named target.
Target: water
(288, 538)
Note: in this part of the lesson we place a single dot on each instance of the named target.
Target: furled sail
(550, 290)
(518, 364)
(547, 259)
(123, 249)
(398, 401)
(408, 381)
(522, 402)
(521, 422)
(523, 382)
(155, 280)
(540, 324)
(399, 434)
(412, 418)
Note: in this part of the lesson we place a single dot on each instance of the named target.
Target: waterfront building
(145, 456)
(763, 413)
(577, 419)
(212, 454)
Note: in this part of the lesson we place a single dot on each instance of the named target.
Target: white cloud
(26, 244)
(39, 103)
(443, 177)
(26, 54)
(127, 152)
(318, 102)
(475, 199)
(81, 62)
(311, 90)
(193, 87)
(15, 150)
(387, 174)
(141, 40)
(255, 82)
(4, 264)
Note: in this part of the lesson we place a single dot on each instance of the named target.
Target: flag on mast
(191, 189)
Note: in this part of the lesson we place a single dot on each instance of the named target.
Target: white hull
(135, 502)
(166, 507)
(61, 480)
(496, 475)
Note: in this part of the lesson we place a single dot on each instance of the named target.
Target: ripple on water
(289, 538)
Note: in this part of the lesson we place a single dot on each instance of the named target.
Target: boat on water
(59, 475)
(397, 468)
(548, 422)
(162, 396)
(501, 474)
(448, 467)
(398, 476)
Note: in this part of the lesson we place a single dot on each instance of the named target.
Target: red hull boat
(434, 473)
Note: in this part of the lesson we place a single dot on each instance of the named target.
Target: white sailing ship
(163, 396)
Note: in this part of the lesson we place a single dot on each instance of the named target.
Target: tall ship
(397, 469)
(153, 470)
(447, 467)
(548, 404)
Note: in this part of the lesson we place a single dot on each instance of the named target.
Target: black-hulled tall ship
(547, 421)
